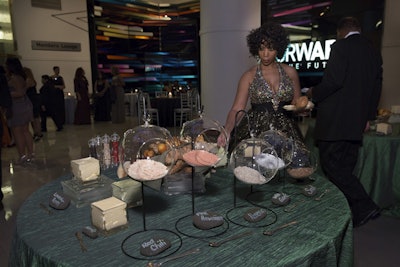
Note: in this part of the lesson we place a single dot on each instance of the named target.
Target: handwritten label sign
(255, 214)
(207, 220)
(154, 246)
(59, 201)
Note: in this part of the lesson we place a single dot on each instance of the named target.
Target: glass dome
(154, 160)
(135, 138)
(203, 133)
(254, 161)
(304, 162)
(282, 145)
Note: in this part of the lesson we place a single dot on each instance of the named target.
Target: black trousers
(56, 119)
(338, 159)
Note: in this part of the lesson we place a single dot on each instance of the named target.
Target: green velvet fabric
(322, 236)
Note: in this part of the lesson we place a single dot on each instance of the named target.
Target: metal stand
(130, 250)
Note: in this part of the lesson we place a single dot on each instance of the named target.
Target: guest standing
(347, 98)
(59, 84)
(269, 85)
(117, 96)
(47, 105)
(102, 99)
(33, 95)
(22, 110)
(5, 103)
(81, 86)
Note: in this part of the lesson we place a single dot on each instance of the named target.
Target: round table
(321, 237)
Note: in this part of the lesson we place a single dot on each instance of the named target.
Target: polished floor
(375, 244)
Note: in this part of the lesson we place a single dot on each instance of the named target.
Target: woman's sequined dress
(267, 111)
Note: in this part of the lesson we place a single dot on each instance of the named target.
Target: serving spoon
(271, 232)
(219, 243)
(183, 254)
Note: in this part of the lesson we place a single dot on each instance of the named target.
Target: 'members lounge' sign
(56, 46)
(308, 56)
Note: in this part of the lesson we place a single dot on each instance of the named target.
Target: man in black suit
(347, 98)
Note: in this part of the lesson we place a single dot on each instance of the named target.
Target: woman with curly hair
(269, 85)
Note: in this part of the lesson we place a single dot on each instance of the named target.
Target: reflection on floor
(376, 244)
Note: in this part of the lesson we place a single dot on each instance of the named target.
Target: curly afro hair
(271, 35)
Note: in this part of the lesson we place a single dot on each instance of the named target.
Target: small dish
(289, 107)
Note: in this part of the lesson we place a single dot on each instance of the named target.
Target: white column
(224, 25)
(391, 55)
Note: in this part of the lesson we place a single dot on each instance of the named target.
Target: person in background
(347, 98)
(167, 87)
(81, 87)
(117, 96)
(59, 99)
(31, 92)
(5, 103)
(22, 110)
(102, 99)
(47, 106)
(269, 85)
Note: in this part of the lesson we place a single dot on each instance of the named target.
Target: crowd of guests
(24, 120)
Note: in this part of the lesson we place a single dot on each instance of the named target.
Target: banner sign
(308, 56)
(55, 46)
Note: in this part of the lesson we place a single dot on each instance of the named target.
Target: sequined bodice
(261, 92)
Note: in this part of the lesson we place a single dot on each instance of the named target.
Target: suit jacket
(349, 92)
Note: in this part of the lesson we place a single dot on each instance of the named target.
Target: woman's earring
(258, 59)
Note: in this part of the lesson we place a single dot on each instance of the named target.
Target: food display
(200, 158)
(254, 161)
(147, 170)
(203, 134)
(303, 165)
(282, 145)
(134, 139)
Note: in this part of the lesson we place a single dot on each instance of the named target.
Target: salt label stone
(309, 190)
(90, 231)
(280, 199)
(154, 246)
(206, 220)
(255, 214)
(59, 201)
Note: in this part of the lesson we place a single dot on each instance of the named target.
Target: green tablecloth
(322, 236)
(378, 168)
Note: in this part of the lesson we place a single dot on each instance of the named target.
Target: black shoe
(59, 129)
(372, 215)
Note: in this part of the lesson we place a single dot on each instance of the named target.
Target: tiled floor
(376, 244)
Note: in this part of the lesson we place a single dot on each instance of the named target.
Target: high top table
(321, 237)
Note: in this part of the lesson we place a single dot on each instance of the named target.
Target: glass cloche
(304, 162)
(282, 145)
(203, 134)
(134, 140)
(254, 161)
